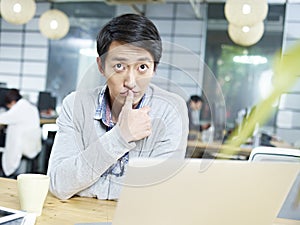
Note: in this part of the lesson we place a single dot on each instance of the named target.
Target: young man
(194, 107)
(23, 136)
(100, 130)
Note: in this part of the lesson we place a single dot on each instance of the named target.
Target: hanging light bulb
(246, 12)
(245, 29)
(17, 11)
(54, 24)
(246, 35)
(246, 9)
(17, 8)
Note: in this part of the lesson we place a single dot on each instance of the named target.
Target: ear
(100, 67)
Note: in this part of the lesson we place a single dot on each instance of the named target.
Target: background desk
(47, 121)
(196, 149)
(75, 210)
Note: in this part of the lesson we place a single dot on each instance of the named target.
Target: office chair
(48, 135)
(32, 146)
(290, 208)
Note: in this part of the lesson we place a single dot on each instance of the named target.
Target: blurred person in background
(194, 105)
(23, 135)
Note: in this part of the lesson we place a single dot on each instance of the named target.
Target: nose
(130, 79)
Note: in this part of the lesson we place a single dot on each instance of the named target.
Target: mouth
(125, 93)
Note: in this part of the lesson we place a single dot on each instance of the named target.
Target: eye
(119, 67)
(143, 68)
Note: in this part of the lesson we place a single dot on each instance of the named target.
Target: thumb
(128, 100)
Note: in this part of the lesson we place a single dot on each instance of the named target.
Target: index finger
(128, 100)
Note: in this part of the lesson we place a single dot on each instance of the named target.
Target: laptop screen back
(208, 192)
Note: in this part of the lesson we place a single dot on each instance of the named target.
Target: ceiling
(164, 1)
(194, 3)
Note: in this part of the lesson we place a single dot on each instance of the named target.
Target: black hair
(134, 29)
(196, 98)
(12, 95)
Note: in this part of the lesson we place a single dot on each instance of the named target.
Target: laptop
(202, 191)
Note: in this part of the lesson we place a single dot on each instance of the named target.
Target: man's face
(11, 104)
(126, 68)
(196, 105)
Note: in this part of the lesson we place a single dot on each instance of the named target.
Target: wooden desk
(47, 120)
(42, 122)
(75, 210)
(58, 212)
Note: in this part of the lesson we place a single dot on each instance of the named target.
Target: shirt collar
(103, 111)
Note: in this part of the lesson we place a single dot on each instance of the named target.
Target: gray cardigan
(83, 150)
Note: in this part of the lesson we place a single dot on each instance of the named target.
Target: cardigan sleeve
(73, 164)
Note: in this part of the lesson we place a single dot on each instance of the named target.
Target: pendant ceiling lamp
(54, 24)
(246, 35)
(246, 12)
(17, 11)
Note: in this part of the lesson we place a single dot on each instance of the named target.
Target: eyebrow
(126, 59)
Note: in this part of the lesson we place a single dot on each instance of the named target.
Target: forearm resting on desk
(73, 169)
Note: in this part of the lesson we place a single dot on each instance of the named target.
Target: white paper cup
(32, 191)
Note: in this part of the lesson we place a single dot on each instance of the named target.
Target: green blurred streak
(286, 73)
